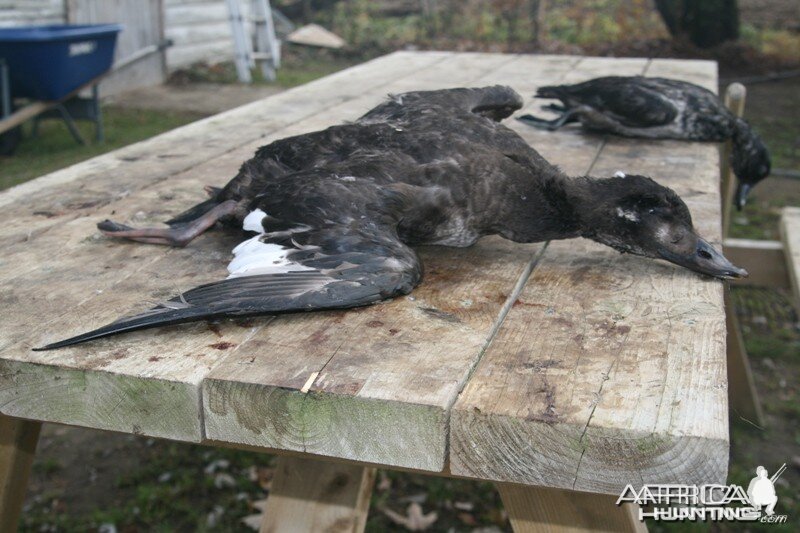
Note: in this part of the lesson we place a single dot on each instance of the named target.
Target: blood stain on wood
(214, 327)
(222, 345)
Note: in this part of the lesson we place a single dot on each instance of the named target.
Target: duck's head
(634, 214)
(750, 161)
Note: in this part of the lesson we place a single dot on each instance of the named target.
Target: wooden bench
(560, 371)
(790, 236)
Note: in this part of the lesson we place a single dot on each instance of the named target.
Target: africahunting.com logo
(709, 502)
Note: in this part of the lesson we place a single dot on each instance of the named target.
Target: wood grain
(314, 495)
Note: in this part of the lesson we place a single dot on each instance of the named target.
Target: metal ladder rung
(267, 46)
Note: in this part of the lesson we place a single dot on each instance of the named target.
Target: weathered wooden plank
(743, 395)
(18, 439)
(790, 235)
(609, 369)
(765, 261)
(537, 510)
(314, 495)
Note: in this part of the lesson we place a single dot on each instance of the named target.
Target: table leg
(316, 495)
(18, 440)
(742, 394)
(534, 509)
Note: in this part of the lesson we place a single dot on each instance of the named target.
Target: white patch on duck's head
(663, 233)
(619, 174)
(633, 216)
(253, 257)
(254, 221)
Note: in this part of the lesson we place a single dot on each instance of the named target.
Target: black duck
(659, 108)
(329, 218)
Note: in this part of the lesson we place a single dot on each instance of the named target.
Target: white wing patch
(253, 221)
(253, 257)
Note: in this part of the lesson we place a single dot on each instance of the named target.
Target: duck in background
(659, 108)
(329, 219)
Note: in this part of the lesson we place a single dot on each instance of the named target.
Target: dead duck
(329, 219)
(659, 108)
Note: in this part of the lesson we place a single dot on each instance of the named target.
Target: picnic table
(561, 371)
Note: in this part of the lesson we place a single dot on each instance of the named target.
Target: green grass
(55, 148)
(299, 65)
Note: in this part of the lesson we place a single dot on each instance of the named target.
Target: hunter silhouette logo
(761, 491)
(712, 502)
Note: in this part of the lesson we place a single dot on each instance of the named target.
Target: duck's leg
(558, 108)
(571, 115)
(177, 235)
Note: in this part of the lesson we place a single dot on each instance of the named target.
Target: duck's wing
(633, 101)
(306, 269)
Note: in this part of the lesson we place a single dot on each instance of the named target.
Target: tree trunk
(705, 24)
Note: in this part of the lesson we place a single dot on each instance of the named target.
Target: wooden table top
(564, 365)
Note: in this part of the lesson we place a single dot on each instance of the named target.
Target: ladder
(267, 52)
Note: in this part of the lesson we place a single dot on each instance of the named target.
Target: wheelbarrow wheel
(9, 141)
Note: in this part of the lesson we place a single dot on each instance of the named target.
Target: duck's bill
(742, 190)
(706, 260)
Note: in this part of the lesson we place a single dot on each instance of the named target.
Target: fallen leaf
(464, 506)
(224, 480)
(467, 519)
(219, 464)
(385, 483)
(212, 518)
(414, 520)
(253, 521)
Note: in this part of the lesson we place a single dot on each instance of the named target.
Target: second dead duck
(659, 108)
(329, 219)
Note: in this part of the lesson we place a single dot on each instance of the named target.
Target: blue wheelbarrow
(48, 66)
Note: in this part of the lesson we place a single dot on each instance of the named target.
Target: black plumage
(659, 108)
(332, 215)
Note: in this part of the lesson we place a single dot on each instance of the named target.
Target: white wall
(23, 12)
(199, 28)
(200, 31)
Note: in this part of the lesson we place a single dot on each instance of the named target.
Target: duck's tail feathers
(497, 102)
(550, 91)
(194, 213)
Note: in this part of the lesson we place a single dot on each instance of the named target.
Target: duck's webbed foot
(568, 116)
(178, 235)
